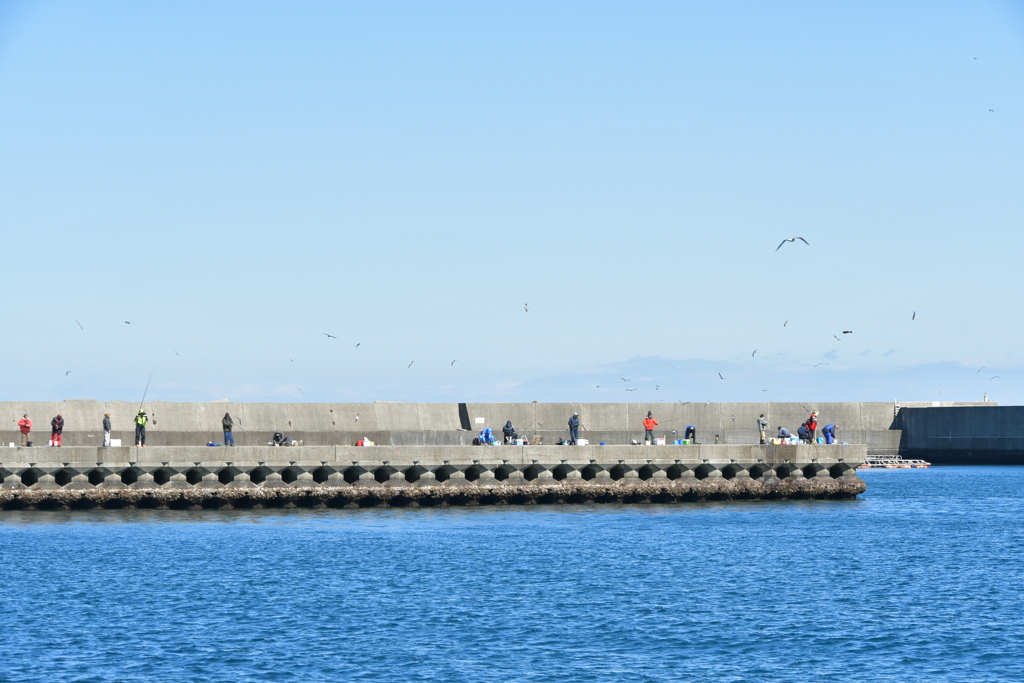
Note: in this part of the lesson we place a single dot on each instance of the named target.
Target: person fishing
(140, 428)
(574, 428)
(649, 424)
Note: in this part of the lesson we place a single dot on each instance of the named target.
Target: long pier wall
(262, 476)
(875, 425)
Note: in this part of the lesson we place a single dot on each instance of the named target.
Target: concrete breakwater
(877, 425)
(343, 476)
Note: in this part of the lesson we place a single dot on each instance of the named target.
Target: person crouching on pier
(829, 432)
(510, 432)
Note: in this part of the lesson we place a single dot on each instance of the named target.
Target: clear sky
(238, 178)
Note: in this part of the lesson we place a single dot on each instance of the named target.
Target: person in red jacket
(812, 424)
(25, 425)
(649, 424)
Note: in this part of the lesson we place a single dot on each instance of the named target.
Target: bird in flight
(980, 369)
(792, 239)
(67, 373)
(847, 331)
(453, 362)
(410, 363)
(817, 364)
(785, 323)
(939, 390)
(357, 345)
(720, 376)
(996, 377)
(127, 322)
(992, 110)
(79, 325)
(753, 354)
(526, 307)
(357, 417)
(625, 380)
(670, 365)
(630, 389)
(290, 360)
(836, 338)
(914, 316)
(301, 391)
(329, 336)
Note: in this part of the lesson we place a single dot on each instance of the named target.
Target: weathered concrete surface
(327, 424)
(964, 435)
(113, 477)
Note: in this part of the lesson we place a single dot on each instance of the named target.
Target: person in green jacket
(140, 428)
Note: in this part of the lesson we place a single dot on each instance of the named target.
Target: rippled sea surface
(919, 579)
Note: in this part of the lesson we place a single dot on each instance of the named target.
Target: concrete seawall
(260, 476)
(947, 435)
(875, 425)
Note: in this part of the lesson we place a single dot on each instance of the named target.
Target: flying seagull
(980, 369)
(79, 325)
(847, 331)
(753, 354)
(785, 323)
(176, 353)
(69, 372)
(357, 345)
(914, 316)
(630, 389)
(720, 376)
(329, 336)
(453, 362)
(410, 363)
(992, 110)
(792, 239)
(836, 338)
(939, 390)
(670, 365)
(357, 417)
(127, 322)
(996, 377)
(817, 364)
(625, 380)
(526, 307)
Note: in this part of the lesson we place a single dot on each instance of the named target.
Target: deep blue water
(920, 579)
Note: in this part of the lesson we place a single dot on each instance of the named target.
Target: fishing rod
(146, 390)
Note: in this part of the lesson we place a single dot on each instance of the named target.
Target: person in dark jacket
(509, 431)
(57, 430)
(280, 439)
(690, 434)
(574, 428)
(106, 430)
(227, 423)
(804, 433)
(784, 433)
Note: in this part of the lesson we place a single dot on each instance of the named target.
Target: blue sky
(237, 178)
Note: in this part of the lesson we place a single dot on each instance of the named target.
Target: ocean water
(919, 579)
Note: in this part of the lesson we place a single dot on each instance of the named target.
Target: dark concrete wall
(979, 435)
